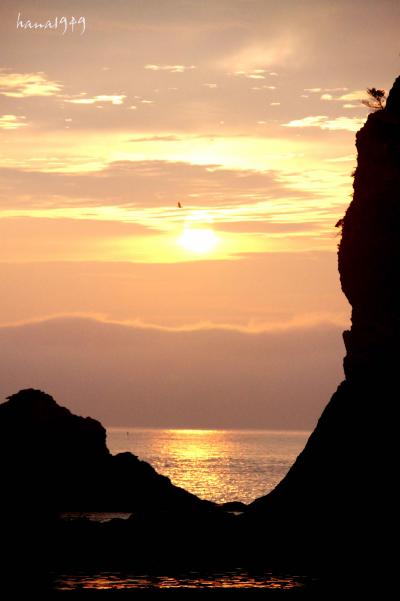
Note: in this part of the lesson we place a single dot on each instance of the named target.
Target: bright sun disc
(198, 240)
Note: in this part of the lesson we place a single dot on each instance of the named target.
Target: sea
(217, 465)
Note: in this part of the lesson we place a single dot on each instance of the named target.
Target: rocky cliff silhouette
(338, 493)
(55, 461)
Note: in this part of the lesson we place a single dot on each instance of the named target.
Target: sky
(171, 172)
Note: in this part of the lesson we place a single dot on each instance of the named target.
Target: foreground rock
(53, 460)
(338, 498)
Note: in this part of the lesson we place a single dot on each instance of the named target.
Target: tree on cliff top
(376, 99)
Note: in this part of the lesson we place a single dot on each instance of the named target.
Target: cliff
(338, 493)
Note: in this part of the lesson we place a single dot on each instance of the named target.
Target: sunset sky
(225, 311)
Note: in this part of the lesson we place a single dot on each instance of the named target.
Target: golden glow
(75, 152)
(198, 237)
(186, 234)
(198, 240)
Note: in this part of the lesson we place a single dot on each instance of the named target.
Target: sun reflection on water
(237, 578)
(218, 465)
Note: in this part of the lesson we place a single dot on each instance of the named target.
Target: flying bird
(179, 205)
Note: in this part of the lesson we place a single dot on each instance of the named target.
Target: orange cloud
(255, 293)
(23, 85)
(204, 377)
(112, 98)
(323, 122)
(170, 68)
(355, 95)
(11, 122)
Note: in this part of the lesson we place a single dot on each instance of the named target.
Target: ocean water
(218, 465)
(233, 579)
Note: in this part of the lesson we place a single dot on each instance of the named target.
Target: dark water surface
(219, 465)
(232, 579)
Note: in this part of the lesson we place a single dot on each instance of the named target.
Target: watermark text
(61, 24)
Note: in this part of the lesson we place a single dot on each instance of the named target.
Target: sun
(198, 236)
(198, 240)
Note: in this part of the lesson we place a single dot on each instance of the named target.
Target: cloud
(254, 57)
(142, 184)
(38, 238)
(265, 226)
(255, 292)
(23, 85)
(158, 138)
(170, 68)
(325, 123)
(254, 74)
(11, 122)
(315, 121)
(326, 97)
(343, 123)
(264, 87)
(112, 98)
(51, 231)
(355, 95)
(317, 90)
(343, 159)
(147, 193)
(139, 375)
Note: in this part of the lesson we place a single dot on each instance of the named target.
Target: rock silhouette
(60, 461)
(55, 462)
(338, 493)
